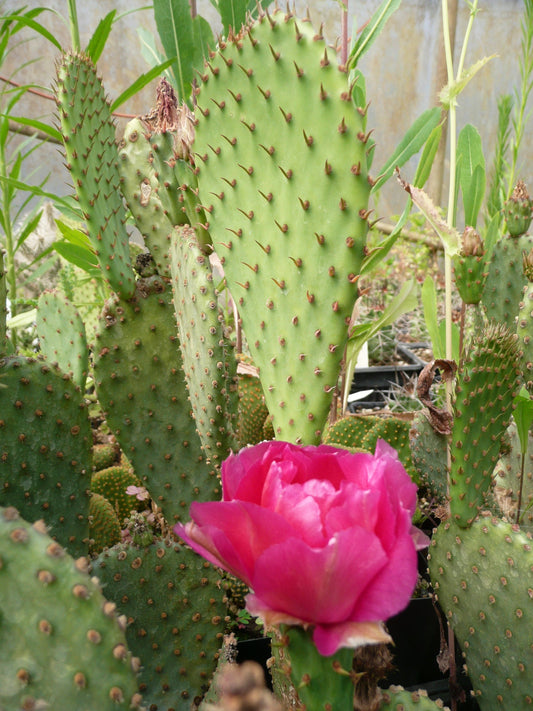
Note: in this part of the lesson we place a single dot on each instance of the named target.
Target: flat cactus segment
(175, 605)
(209, 363)
(88, 133)
(112, 483)
(104, 529)
(487, 383)
(253, 411)
(429, 456)
(280, 151)
(483, 581)
(140, 385)
(61, 643)
(395, 698)
(62, 336)
(45, 448)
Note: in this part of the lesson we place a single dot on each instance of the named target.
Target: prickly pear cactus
(62, 336)
(429, 455)
(88, 132)
(45, 448)
(174, 603)
(61, 644)
(112, 482)
(483, 582)
(208, 355)
(487, 383)
(140, 385)
(253, 411)
(280, 151)
(104, 524)
(3, 309)
(470, 267)
(397, 699)
(512, 481)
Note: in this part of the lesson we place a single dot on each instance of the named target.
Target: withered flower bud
(472, 244)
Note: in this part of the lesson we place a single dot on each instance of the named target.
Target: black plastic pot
(256, 650)
(380, 378)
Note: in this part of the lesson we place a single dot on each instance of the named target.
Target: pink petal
(318, 585)
(328, 639)
(390, 591)
(233, 534)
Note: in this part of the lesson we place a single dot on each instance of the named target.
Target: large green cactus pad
(282, 171)
(140, 385)
(483, 578)
(175, 605)
(45, 448)
(61, 644)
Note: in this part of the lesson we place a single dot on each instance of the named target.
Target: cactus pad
(61, 644)
(174, 602)
(483, 581)
(281, 158)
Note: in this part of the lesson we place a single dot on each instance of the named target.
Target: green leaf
(471, 171)
(76, 236)
(451, 91)
(174, 25)
(428, 156)
(50, 131)
(232, 14)
(36, 26)
(411, 143)
(22, 320)
(140, 83)
(100, 36)
(203, 40)
(35, 190)
(429, 304)
(523, 416)
(79, 256)
(27, 228)
(406, 300)
(380, 252)
(372, 30)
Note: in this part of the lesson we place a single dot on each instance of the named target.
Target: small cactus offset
(470, 267)
(62, 645)
(285, 191)
(62, 336)
(518, 210)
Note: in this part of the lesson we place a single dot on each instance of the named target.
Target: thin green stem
(9, 244)
(74, 26)
(473, 13)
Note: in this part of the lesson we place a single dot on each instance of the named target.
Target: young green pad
(281, 155)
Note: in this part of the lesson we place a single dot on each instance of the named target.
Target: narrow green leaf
(36, 26)
(174, 26)
(78, 256)
(35, 190)
(372, 30)
(425, 163)
(140, 83)
(523, 416)
(376, 255)
(203, 40)
(100, 36)
(76, 236)
(411, 143)
(28, 228)
(429, 304)
(471, 162)
(50, 131)
(232, 14)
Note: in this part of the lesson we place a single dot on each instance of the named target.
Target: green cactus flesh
(62, 336)
(61, 644)
(470, 273)
(506, 280)
(112, 483)
(487, 383)
(175, 606)
(208, 359)
(524, 327)
(280, 150)
(104, 529)
(140, 385)
(45, 448)
(88, 133)
(395, 698)
(429, 456)
(253, 411)
(482, 579)
(513, 480)
(3, 306)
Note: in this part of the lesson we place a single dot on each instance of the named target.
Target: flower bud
(518, 210)
(472, 244)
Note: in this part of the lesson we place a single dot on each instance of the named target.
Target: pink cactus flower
(323, 537)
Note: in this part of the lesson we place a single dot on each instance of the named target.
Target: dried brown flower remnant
(242, 688)
(167, 116)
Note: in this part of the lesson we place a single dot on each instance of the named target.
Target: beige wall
(402, 68)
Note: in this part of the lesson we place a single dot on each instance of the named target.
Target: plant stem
(74, 27)
(11, 274)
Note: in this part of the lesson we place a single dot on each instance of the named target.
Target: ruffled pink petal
(328, 639)
(233, 534)
(390, 591)
(318, 585)
(398, 479)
